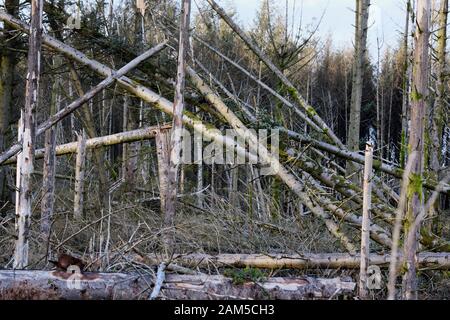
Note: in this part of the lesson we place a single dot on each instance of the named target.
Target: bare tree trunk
(198, 145)
(48, 180)
(79, 176)
(362, 16)
(177, 126)
(439, 116)
(136, 286)
(27, 136)
(125, 106)
(418, 111)
(434, 260)
(234, 177)
(117, 138)
(365, 228)
(405, 98)
(163, 156)
(86, 116)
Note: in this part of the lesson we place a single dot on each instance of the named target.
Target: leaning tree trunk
(25, 166)
(177, 126)
(362, 16)
(419, 98)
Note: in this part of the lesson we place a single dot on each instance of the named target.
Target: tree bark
(406, 87)
(177, 124)
(117, 138)
(27, 135)
(439, 116)
(365, 228)
(79, 176)
(362, 16)
(49, 170)
(432, 260)
(122, 286)
(163, 158)
(416, 143)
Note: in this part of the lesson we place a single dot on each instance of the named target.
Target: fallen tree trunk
(293, 92)
(110, 77)
(117, 138)
(430, 260)
(36, 284)
(357, 157)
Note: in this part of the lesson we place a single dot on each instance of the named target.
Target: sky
(386, 19)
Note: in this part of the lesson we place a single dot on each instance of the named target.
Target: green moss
(415, 185)
(377, 163)
(416, 95)
(241, 276)
(403, 150)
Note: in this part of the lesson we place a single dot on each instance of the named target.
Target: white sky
(386, 18)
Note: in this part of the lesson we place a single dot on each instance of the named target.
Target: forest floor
(107, 238)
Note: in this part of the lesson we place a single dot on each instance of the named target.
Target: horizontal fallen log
(36, 284)
(431, 260)
(117, 138)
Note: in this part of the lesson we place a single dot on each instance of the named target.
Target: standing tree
(438, 119)
(361, 19)
(25, 163)
(177, 125)
(419, 97)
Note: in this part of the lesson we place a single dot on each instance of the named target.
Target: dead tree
(439, 115)
(163, 158)
(419, 99)
(432, 260)
(177, 126)
(405, 85)
(117, 138)
(126, 286)
(25, 166)
(365, 227)
(362, 16)
(79, 176)
(49, 171)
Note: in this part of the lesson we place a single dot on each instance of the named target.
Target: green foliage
(241, 276)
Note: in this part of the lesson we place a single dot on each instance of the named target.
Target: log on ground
(37, 284)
